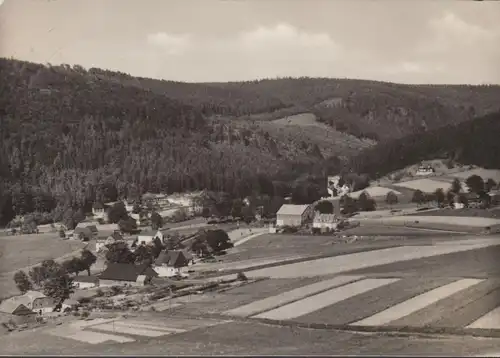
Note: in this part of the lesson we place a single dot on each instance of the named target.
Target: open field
(452, 220)
(426, 185)
(21, 251)
(483, 173)
(374, 191)
(493, 214)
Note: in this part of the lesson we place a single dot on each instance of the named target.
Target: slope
(472, 142)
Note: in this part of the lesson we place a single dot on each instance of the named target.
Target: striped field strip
(289, 296)
(324, 299)
(414, 304)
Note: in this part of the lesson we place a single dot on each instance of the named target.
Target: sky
(405, 41)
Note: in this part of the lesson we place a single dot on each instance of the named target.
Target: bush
(76, 314)
(242, 277)
(85, 314)
(84, 300)
(99, 293)
(289, 229)
(116, 290)
(316, 230)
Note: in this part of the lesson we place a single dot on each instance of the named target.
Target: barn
(294, 215)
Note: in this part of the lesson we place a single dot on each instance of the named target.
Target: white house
(333, 187)
(99, 211)
(325, 222)
(33, 300)
(294, 215)
(172, 263)
(424, 170)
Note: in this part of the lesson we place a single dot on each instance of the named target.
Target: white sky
(409, 41)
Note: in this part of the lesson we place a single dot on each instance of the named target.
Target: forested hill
(70, 136)
(376, 110)
(474, 142)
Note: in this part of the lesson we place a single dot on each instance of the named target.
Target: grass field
(20, 251)
(374, 191)
(426, 185)
(457, 221)
(493, 214)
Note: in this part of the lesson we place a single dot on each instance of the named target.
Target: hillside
(473, 142)
(71, 136)
(365, 109)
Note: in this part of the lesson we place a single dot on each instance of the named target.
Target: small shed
(294, 215)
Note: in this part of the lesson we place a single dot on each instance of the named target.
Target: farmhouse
(99, 212)
(33, 300)
(170, 263)
(148, 237)
(325, 222)
(294, 215)
(126, 274)
(425, 170)
(83, 282)
(11, 310)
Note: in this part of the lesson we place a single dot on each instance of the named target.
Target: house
(294, 215)
(129, 205)
(83, 282)
(126, 274)
(325, 222)
(149, 236)
(425, 170)
(99, 211)
(334, 189)
(11, 310)
(33, 300)
(171, 263)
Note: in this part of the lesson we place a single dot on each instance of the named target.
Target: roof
(90, 279)
(13, 307)
(83, 230)
(32, 295)
(98, 205)
(290, 209)
(12, 304)
(126, 272)
(175, 258)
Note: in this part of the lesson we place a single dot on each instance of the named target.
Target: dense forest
(473, 142)
(70, 136)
